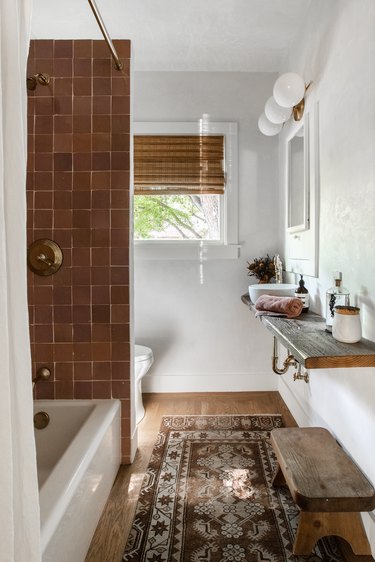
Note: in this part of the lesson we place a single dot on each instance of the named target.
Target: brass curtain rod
(106, 36)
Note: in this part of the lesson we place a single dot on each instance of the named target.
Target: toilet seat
(142, 353)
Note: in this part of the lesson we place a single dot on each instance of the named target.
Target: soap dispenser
(303, 294)
(337, 295)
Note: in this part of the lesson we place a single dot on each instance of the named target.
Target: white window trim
(228, 248)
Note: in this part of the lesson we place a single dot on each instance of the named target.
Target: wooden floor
(111, 534)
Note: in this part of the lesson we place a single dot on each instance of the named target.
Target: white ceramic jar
(346, 325)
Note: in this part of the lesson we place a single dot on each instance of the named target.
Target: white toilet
(144, 358)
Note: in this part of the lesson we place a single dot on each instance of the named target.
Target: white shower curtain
(19, 504)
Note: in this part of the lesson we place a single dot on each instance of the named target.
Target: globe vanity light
(287, 100)
(275, 112)
(267, 128)
(289, 89)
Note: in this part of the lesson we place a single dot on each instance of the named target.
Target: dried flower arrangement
(262, 268)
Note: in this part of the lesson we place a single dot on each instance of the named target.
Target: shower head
(40, 78)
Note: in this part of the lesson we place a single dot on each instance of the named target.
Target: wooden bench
(326, 484)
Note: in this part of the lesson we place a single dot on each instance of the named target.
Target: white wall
(203, 337)
(336, 50)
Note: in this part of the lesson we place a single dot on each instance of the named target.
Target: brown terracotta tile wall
(78, 195)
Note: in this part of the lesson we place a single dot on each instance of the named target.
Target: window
(185, 190)
(178, 180)
(177, 217)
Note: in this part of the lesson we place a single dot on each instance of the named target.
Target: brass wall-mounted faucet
(41, 419)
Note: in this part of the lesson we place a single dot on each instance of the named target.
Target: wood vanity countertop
(313, 347)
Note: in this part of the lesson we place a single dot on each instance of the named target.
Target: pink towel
(289, 306)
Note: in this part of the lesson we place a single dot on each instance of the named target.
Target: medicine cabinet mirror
(297, 166)
(301, 159)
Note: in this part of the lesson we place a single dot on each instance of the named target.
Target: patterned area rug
(207, 496)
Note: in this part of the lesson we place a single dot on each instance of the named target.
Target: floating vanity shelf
(312, 346)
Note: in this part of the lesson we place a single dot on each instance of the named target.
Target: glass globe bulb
(275, 113)
(289, 89)
(268, 128)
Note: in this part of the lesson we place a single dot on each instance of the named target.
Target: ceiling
(182, 35)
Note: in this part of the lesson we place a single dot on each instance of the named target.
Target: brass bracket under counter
(312, 347)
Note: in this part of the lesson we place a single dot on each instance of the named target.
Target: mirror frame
(305, 224)
(302, 248)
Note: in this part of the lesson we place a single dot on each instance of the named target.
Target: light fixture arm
(299, 109)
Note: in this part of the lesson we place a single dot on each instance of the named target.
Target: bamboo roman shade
(180, 164)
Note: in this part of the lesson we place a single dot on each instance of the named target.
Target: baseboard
(202, 382)
(133, 444)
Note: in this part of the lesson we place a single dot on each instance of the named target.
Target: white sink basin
(275, 289)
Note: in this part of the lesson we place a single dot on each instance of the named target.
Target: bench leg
(313, 526)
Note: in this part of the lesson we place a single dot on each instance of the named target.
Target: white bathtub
(78, 456)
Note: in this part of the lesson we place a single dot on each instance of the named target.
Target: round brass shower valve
(44, 257)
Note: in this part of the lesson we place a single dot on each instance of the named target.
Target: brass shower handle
(44, 257)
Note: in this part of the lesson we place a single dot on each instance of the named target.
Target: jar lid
(347, 310)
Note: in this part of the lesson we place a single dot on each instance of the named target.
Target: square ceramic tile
(78, 194)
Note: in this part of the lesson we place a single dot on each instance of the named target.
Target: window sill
(185, 251)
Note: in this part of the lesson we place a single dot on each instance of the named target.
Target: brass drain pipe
(289, 361)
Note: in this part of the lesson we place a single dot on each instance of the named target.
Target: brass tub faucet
(42, 374)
